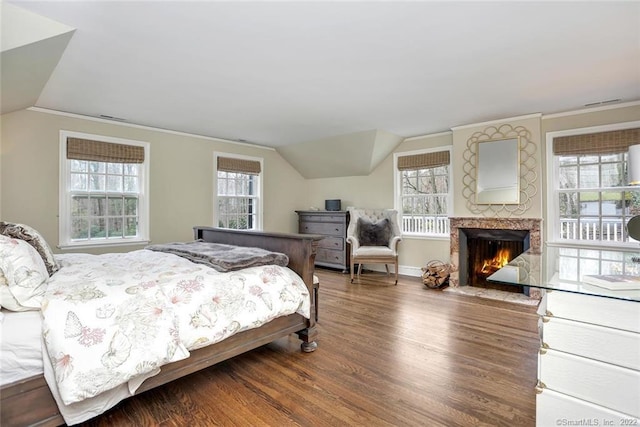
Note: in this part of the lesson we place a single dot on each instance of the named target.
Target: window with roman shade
(591, 195)
(238, 196)
(103, 197)
(423, 192)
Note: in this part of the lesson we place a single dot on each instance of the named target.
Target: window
(591, 198)
(103, 191)
(423, 192)
(238, 204)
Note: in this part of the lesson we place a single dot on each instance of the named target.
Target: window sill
(578, 244)
(106, 244)
(426, 236)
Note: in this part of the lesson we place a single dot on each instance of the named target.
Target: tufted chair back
(373, 216)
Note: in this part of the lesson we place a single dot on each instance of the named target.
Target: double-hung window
(591, 198)
(238, 197)
(103, 191)
(423, 191)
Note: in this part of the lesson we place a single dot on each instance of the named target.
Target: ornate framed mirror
(498, 172)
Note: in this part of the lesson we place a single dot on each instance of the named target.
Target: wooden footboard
(29, 402)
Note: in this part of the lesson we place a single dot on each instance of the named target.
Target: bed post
(301, 250)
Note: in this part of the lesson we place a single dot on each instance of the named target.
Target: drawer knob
(539, 388)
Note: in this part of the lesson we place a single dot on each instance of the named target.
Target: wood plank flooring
(388, 355)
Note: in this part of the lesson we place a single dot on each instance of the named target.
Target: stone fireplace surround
(533, 225)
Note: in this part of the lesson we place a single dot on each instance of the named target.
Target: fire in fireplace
(502, 258)
(488, 250)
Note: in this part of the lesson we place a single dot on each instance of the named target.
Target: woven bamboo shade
(98, 151)
(424, 160)
(230, 164)
(612, 142)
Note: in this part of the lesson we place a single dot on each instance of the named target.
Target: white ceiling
(279, 73)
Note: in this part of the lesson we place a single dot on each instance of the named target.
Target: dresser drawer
(554, 409)
(328, 228)
(600, 383)
(595, 342)
(336, 243)
(609, 312)
(323, 218)
(330, 256)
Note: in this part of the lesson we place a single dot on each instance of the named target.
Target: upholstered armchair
(374, 235)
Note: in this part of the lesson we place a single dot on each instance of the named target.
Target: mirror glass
(498, 172)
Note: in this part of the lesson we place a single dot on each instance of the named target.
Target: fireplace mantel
(533, 225)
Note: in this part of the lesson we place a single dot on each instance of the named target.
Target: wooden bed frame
(29, 401)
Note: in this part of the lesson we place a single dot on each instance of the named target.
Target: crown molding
(149, 128)
(591, 110)
(432, 135)
(494, 122)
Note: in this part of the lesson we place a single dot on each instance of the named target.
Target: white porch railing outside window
(607, 231)
(425, 224)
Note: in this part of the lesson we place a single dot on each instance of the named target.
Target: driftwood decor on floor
(387, 356)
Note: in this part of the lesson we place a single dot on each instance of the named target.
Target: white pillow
(24, 271)
(32, 237)
(7, 300)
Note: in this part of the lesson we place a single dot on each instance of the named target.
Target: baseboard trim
(405, 270)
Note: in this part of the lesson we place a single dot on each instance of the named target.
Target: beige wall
(461, 136)
(182, 169)
(181, 176)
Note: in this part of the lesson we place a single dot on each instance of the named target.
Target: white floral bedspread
(111, 318)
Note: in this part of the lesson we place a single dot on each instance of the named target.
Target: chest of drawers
(333, 250)
(589, 360)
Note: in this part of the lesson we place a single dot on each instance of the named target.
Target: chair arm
(393, 244)
(353, 240)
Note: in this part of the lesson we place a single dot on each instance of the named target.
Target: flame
(500, 260)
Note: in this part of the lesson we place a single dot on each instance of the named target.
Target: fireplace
(484, 251)
(515, 234)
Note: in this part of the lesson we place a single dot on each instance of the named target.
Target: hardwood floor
(387, 356)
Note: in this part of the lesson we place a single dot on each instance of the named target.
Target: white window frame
(258, 187)
(397, 192)
(64, 220)
(552, 177)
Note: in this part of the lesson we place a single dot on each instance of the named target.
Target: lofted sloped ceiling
(311, 73)
(31, 48)
(354, 154)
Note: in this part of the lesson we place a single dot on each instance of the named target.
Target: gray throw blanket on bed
(221, 257)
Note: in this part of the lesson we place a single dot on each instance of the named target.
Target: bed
(29, 401)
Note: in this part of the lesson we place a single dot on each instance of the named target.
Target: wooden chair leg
(359, 270)
(396, 264)
(352, 269)
(387, 267)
